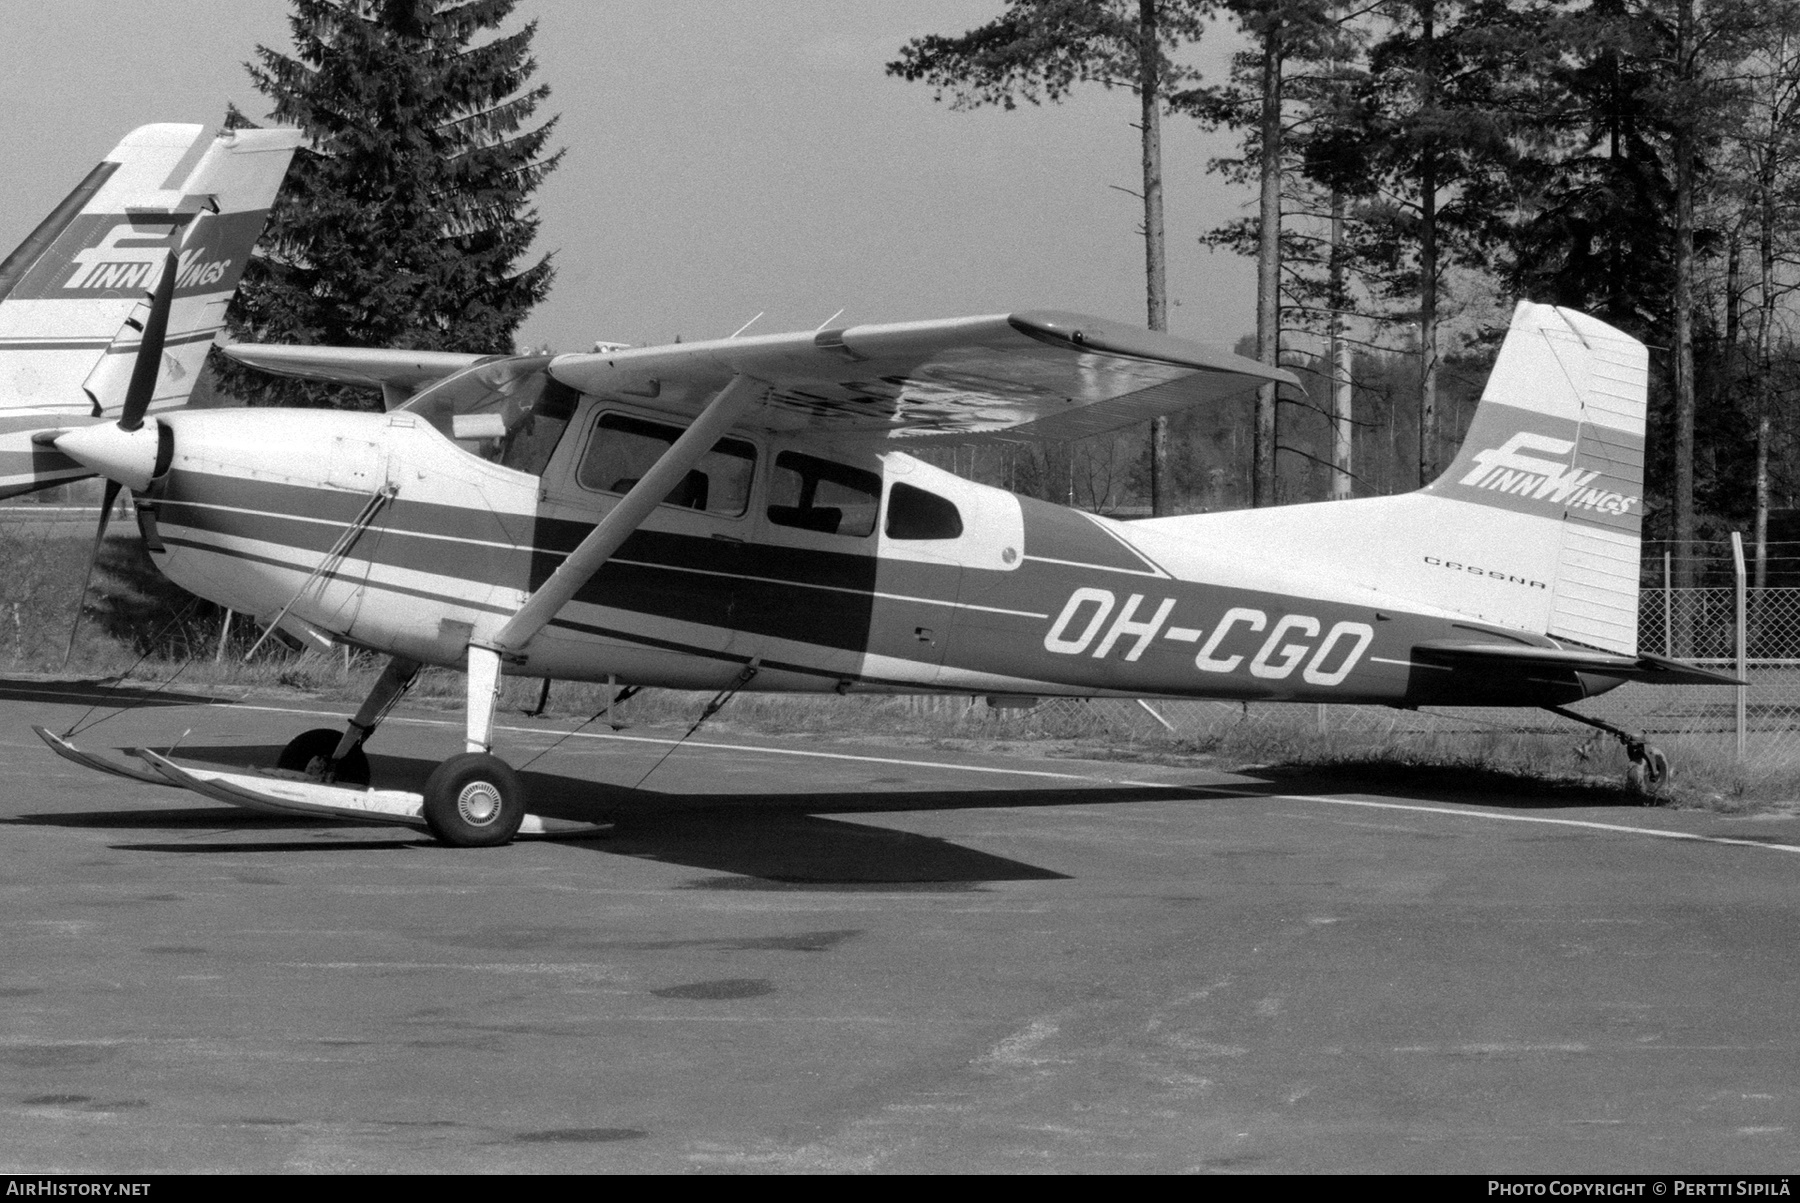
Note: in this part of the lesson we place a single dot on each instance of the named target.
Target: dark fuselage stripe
(566, 624)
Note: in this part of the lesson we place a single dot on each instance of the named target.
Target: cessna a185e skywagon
(738, 513)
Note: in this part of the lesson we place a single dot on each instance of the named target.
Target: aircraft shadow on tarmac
(765, 840)
(1459, 784)
(102, 692)
(757, 840)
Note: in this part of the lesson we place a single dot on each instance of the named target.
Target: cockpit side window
(819, 495)
(623, 448)
(915, 514)
(530, 443)
(505, 410)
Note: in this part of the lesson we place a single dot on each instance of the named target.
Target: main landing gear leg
(475, 800)
(1648, 771)
(334, 757)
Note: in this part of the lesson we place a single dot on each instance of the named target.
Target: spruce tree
(402, 226)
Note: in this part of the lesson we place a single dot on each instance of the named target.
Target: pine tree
(1449, 88)
(1040, 49)
(1597, 231)
(403, 225)
(1279, 146)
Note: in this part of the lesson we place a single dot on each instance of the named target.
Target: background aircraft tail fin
(74, 294)
(233, 186)
(71, 286)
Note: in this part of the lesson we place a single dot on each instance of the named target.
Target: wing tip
(1063, 328)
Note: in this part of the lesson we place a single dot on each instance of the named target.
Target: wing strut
(726, 407)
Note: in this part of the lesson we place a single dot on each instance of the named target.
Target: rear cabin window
(915, 514)
(623, 448)
(817, 494)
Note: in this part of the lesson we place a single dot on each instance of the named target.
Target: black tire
(310, 753)
(474, 801)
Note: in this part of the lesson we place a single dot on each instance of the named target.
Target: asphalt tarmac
(799, 955)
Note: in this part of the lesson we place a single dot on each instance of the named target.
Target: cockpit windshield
(508, 411)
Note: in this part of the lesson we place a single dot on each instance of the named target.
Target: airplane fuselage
(911, 580)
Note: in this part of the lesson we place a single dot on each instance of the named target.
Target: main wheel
(474, 801)
(310, 753)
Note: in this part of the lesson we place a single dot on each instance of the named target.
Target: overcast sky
(724, 158)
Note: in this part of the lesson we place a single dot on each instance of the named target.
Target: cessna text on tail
(740, 514)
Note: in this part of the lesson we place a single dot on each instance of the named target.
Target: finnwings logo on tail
(1513, 468)
(129, 258)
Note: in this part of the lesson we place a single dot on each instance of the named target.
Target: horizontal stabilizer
(1655, 670)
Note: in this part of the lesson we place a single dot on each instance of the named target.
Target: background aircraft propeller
(138, 393)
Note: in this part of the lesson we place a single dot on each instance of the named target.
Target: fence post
(1668, 628)
(1743, 638)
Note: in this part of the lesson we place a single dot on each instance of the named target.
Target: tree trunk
(1428, 264)
(1155, 261)
(1339, 354)
(1765, 324)
(1684, 309)
(1268, 268)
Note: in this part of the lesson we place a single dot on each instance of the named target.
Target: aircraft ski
(739, 514)
(117, 768)
(292, 796)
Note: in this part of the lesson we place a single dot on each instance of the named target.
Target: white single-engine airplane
(736, 514)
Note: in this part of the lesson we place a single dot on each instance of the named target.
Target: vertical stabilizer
(231, 189)
(1558, 441)
(74, 295)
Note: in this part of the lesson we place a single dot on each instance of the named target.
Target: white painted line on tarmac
(1620, 828)
(1414, 807)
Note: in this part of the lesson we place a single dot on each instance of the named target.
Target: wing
(1006, 377)
(369, 367)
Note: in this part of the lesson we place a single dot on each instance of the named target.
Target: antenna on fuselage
(834, 317)
(748, 324)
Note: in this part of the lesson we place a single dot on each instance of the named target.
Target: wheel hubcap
(478, 803)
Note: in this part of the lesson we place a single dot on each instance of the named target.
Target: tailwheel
(310, 753)
(1648, 771)
(474, 801)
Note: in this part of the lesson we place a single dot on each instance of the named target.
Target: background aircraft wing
(370, 367)
(1006, 377)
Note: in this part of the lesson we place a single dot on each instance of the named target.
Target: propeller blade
(106, 508)
(149, 356)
